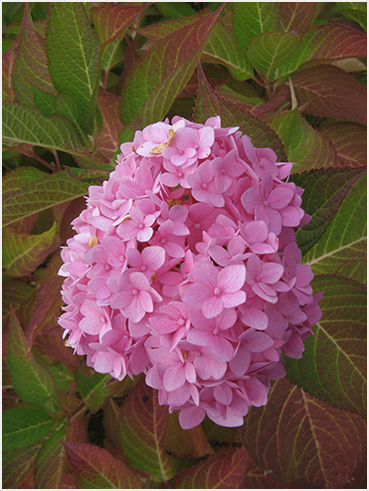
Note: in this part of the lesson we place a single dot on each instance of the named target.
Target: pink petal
(191, 417)
(280, 197)
(232, 278)
(174, 378)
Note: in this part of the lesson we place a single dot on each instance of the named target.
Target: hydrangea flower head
(184, 266)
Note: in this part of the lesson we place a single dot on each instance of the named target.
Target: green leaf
(23, 253)
(24, 426)
(74, 60)
(15, 292)
(226, 470)
(328, 91)
(19, 178)
(301, 441)
(324, 192)
(96, 468)
(160, 75)
(356, 11)
(223, 48)
(349, 140)
(175, 10)
(67, 107)
(39, 195)
(209, 103)
(253, 18)
(26, 124)
(49, 468)
(94, 389)
(325, 42)
(269, 50)
(31, 379)
(30, 67)
(112, 19)
(17, 464)
(142, 431)
(44, 101)
(111, 55)
(333, 367)
(343, 247)
(307, 147)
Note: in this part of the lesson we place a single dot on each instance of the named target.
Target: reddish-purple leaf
(107, 141)
(335, 41)
(350, 140)
(142, 431)
(52, 344)
(97, 468)
(266, 107)
(30, 67)
(161, 73)
(112, 19)
(257, 479)
(209, 103)
(301, 441)
(17, 464)
(296, 15)
(8, 63)
(328, 91)
(48, 300)
(225, 470)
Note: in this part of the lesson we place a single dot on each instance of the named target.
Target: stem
(57, 160)
(41, 160)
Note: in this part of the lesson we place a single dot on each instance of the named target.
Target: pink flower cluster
(184, 266)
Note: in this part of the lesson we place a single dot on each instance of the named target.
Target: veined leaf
(253, 18)
(227, 470)
(107, 141)
(333, 366)
(7, 69)
(44, 101)
(342, 249)
(74, 60)
(331, 41)
(31, 380)
(257, 479)
(18, 463)
(174, 10)
(39, 195)
(112, 19)
(15, 292)
(24, 426)
(30, 67)
(23, 253)
(160, 75)
(67, 107)
(142, 430)
(356, 11)
(328, 91)
(93, 389)
(209, 103)
(304, 145)
(49, 467)
(269, 50)
(223, 48)
(19, 178)
(299, 440)
(297, 15)
(96, 468)
(349, 140)
(324, 192)
(26, 124)
(111, 55)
